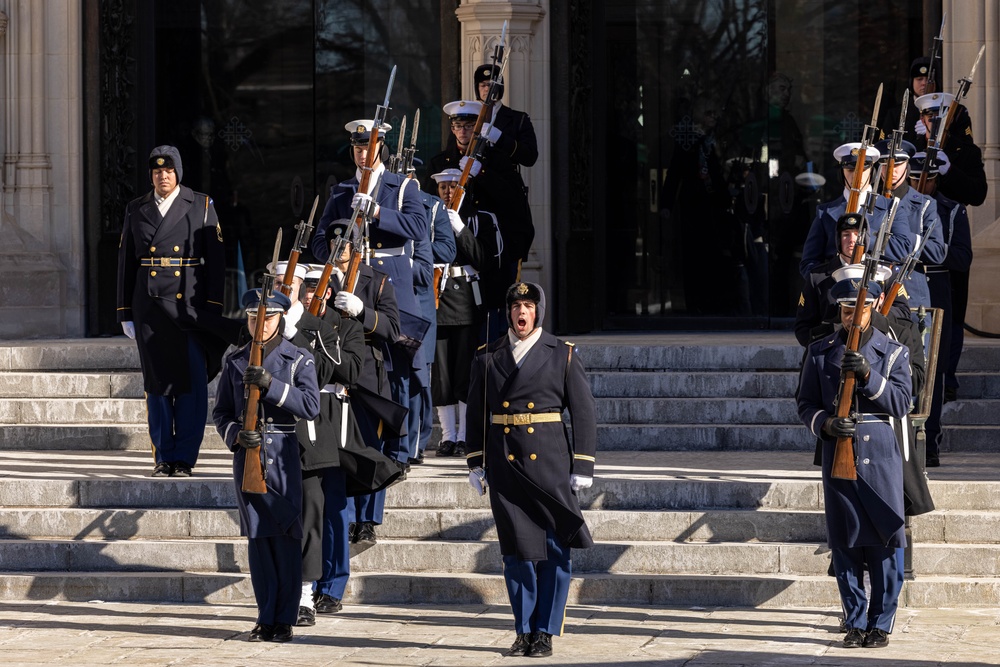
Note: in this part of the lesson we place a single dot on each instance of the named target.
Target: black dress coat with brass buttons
(171, 277)
(528, 466)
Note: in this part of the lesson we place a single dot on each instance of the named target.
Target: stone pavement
(96, 633)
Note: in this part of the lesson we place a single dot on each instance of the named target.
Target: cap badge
(855, 152)
(160, 162)
(923, 69)
(522, 289)
(361, 128)
(487, 72)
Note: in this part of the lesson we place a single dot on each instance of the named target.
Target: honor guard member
(338, 347)
(816, 308)
(441, 246)
(962, 175)
(490, 190)
(864, 517)
(379, 416)
(399, 217)
(171, 280)
(958, 239)
(821, 241)
(512, 145)
(271, 521)
(460, 311)
(520, 453)
(920, 214)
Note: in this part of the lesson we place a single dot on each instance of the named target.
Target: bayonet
(410, 152)
(935, 53)
(269, 275)
(395, 165)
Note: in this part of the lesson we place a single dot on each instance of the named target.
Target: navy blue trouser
(177, 423)
(538, 590)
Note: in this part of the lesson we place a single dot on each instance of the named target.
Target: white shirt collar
(519, 348)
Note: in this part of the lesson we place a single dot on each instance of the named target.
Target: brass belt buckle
(164, 262)
(522, 419)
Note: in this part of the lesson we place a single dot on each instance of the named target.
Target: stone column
(33, 276)
(526, 88)
(972, 23)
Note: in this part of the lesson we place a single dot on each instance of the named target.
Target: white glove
(129, 329)
(476, 165)
(944, 163)
(364, 202)
(348, 303)
(577, 482)
(477, 480)
(490, 133)
(456, 222)
(291, 320)
(920, 128)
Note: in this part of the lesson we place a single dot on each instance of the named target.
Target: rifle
(301, 239)
(410, 152)
(319, 296)
(843, 455)
(475, 150)
(254, 475)
(905, 269)
(895, 145)
(931, 86)
(361, 217)
(867, 139)
(395, 165)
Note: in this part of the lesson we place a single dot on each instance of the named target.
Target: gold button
(533, 457)
(152, 273)
(506, 404)
(177, 273)
(510, 457)
(531, 429)
(506, 429)
(378, 245)
(180, 296)
(177, 248)
(380, 262)
(152, 248)
(531, 405)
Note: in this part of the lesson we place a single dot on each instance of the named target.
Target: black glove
(248, 439)
(853, 361)
(257, 375)
(840, 427)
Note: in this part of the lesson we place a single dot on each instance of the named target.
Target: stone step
(71, 385)
(942, 526)
(90, 437)
(691, 411)
(706, 384)
(769, 591)
(69, 412)
(86, 354)
(482, 557)
(762, 438)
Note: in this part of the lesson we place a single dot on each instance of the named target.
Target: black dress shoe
(932, 462)
(446, 448)
(326, 604)
(541, 645)
(418, 459)
(854, 639)
(876, 639)
(306, 617)
(521, 644)
(460, 449)
(162, 470)
(261, 633)
(180, 469)
(950, 394)
(366, 533)
(352, 536)
(282, 633)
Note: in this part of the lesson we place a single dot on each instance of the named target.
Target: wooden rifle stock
(286, 280)
(890, 296)
(319, 296)
(843, 455)
(253, 471)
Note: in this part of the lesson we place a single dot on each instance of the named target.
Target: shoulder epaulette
(481, 347)
(566, 342)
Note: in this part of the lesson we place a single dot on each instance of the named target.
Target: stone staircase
(699, 499)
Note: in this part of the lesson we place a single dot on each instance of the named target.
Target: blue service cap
(277, 302)
(917, 165)
(905, 151)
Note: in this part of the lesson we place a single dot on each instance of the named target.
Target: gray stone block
(82, 411)
(706, 384)
(702, 437)
(48, 385)
(79, 354)
(38, 493)
(86, 523)
(688, 411)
